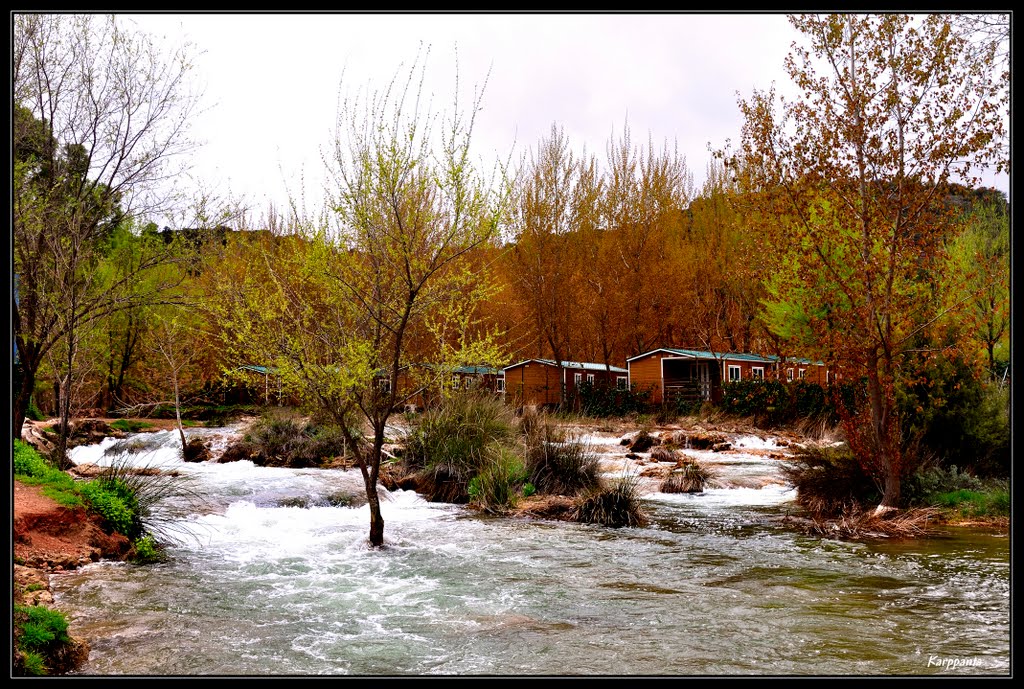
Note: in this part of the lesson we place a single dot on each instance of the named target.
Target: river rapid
(270, 574)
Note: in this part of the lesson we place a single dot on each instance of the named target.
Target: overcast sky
(271, 82)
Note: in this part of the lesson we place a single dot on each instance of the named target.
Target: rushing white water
(272, 576)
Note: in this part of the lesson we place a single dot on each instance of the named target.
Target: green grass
(131, 425)
(966, 503)
(39, 633)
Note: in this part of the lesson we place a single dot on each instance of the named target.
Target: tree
(979, 268)
(334, 306)
(891, 108)
(100, 115)
(554, 196)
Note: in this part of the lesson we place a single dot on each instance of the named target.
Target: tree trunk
(177, 415)
(28, 384)
(376, 520)
(887, 459)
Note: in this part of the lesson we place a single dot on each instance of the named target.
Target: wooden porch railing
(691, 391)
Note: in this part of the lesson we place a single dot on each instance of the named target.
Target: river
(271, 575)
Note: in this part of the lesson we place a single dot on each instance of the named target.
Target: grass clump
(450, 445)
(499, 482)
(41, 642)
(829, 481)
(615, 504)
(691, 477)
(556, 463)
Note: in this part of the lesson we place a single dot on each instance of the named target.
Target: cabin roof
(703, 354)
(580, 365)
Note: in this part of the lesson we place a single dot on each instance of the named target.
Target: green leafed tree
(890, 109)
(343, 307)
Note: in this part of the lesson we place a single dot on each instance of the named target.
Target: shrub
(615, 504)
(283, 441)
(829, 480)
(32, 411)
(608, 400)
(556, 464)
(146, 550)
(113, 501)
(957, 415)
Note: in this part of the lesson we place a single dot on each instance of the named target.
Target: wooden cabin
(544, 382)
(793, 369)
(672, 374)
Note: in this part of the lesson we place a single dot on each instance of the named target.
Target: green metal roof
(582, 365)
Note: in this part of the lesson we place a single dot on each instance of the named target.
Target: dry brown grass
(856, 524)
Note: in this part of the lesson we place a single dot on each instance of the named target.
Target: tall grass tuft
(691, 477)
(615, 504)
(556, 463)
(498, 484)
(449, 445)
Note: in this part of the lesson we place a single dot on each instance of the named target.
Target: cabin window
(828, 376)
(578, 379)
(802, 373)
(757, 372)
(590, 378)
(501, 384)
(620, 382)
(789, 374)
(734, 373)
(384, 385)
(455, 380)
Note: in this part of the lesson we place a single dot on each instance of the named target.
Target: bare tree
(100, 117)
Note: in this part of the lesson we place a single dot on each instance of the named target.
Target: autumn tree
(554, 194)
(891, 108)
(100, 115)
(645, 191)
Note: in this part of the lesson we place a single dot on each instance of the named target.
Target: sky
(271, 83)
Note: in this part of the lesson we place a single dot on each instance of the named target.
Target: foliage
(957, 415)
(856, 169)
(608, 400)
(616, 504)
(101, 115)
(556, 464)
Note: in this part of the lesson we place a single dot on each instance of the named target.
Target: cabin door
(704, 376)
